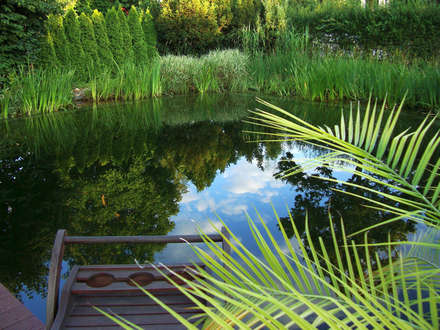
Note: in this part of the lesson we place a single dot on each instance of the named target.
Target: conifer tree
(137, 34)
(73, 35)
(114, 35)
(47, 52)
(56, 29)
(88, 41)
(103, 44)
(83, 6)
(127, 40)
(150, 34)
(148, 28)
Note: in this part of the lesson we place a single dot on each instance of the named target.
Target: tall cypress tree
(139, 45)
(150, 34)
(148, 28)
(126, 36)
(104, 53)
(88, 40)
(114, 35)
(56, 29)
(47, 51)
(83, 6)
(73, 35)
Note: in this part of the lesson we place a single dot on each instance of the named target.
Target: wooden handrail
(139, 239)
(61, 239)
(53, 284)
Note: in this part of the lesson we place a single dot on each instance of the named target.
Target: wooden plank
(27, 323)
(156, 286)
(139, 239)
(80, 311)
(100, 321)
(123, 275)
(67, 301)
(174, 326)
(14, 315)
(134, 267)
(53, 284)
(142, 300)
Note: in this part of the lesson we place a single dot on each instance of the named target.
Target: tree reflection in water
(317, 198)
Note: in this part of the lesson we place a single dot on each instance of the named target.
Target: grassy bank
(294, 69)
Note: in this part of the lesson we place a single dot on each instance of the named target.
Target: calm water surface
(159, 167)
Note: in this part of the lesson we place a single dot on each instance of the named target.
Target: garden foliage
(21, 28)
(91, 43)
(408, 28)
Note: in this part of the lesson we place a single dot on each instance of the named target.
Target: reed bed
(130, 82)
(40, 91)
(216, 72)
(314, 72)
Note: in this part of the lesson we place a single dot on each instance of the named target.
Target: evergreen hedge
(88, 41)
(411, 29)
(139, 44)
(103, 44)
(127, 39)
(73, 36)
(114, 34)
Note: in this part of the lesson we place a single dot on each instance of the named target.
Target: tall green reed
(129, 82)
(297, 67)
(43, 90)
(5, 100)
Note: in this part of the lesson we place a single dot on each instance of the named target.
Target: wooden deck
(110, 288)
(14, 315)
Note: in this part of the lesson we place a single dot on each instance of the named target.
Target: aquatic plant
(40, 90)
(218, 71)
(299, 68)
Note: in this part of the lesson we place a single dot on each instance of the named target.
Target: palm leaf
(368, 146)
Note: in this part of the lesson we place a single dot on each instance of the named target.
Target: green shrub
(411, 29)
(104, 52)
(83, 6)
(140, 47)
(47, 54)
(114, 34)
(126, 37)
(56, 30)
(150, 34)
(245, 13)
(88, 41)
(187, 26)
(21, 28)
(73, 36)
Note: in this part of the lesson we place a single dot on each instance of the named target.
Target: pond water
(165, 166)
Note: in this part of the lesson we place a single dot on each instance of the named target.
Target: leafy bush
(55, 29)
(21, 28)
(126, 37)
(412, 29)
(114, 33)
(88, 41)
(73, 36)
(139, 45)
(187, 26)
(102, 40)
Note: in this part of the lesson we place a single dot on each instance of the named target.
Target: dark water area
(165, 166)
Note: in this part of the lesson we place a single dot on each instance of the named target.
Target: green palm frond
(368, 145)
(296, 288)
